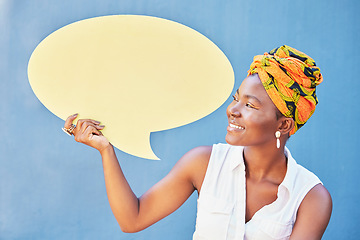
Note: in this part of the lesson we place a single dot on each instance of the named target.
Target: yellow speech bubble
(135, 74)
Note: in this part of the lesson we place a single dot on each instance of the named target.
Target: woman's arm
(134, 214)
(313, 215)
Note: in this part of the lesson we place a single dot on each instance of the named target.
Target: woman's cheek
(260, 121)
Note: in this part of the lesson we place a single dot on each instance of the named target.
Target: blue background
(52, 187)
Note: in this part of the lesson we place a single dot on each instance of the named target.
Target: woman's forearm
(123, 202)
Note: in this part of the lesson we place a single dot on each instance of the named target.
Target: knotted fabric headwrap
(290, 78)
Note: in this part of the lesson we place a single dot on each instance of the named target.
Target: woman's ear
(286, 125)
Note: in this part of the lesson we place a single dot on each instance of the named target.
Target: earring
(277, 135)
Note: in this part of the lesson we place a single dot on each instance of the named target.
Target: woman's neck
(265, 163)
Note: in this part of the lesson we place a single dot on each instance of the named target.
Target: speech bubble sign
(136, 74)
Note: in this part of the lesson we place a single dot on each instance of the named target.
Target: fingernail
(75, 114)
(97, 122)
(102, 126)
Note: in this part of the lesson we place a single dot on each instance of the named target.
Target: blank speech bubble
(135, 74)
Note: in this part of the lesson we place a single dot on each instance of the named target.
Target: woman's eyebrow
(247, 96)
(252, 97)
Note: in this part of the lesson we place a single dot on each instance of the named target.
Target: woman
(249, 188)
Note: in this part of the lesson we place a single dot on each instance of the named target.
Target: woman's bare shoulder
(196, 156)
(200, 154)
(195, 163)
(318, 199)
(313, 214)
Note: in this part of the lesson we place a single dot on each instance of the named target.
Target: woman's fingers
(70, 120)
(88, 123)
(90, 135)
(91, 130)
(85, 123)
(86, 128)
(86, 131)
(68, 126)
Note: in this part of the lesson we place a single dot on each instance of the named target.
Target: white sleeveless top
(221, 203)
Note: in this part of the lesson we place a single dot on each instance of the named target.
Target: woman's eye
(249, 105)
(235, 99)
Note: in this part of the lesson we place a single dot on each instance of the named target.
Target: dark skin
(252, 124)
(256, 114)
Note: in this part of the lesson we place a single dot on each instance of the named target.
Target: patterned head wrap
(290, 78)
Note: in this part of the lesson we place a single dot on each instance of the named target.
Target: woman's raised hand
(87, 131)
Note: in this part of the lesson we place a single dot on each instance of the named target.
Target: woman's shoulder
(315, 205)
(194, 164)
(202, 154)
(198, 154)
(198, 158)
(314, 213)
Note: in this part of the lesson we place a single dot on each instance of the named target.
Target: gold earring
(277, 135)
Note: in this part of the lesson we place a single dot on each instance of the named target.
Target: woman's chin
(230, 140)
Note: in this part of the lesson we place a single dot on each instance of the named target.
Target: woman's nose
(234, 110)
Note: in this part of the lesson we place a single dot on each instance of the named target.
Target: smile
(235, 126)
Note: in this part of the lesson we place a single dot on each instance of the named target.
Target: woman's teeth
(235, 126)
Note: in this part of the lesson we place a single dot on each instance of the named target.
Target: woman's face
(252, 115)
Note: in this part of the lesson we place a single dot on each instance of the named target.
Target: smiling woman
(253, 114)
(250, 188)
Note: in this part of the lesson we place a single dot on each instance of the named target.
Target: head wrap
(290, 78)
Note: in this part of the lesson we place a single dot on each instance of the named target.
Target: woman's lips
(233, 127)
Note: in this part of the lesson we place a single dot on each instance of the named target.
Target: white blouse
(222, 200)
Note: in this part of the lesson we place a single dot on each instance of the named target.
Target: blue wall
(53, 188)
